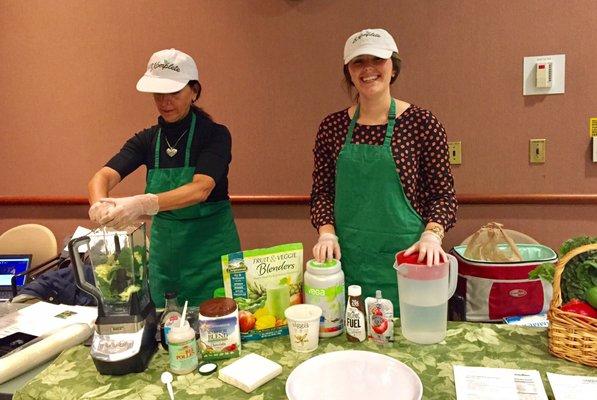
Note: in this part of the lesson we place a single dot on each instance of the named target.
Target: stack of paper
(41, 319)
(250, 372)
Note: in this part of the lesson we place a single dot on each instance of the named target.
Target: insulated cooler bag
(492, 291)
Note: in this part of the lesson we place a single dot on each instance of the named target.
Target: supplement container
(324, 287)
(219, 330)
(182, 349)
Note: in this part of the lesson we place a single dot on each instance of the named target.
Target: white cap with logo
(374, 42)
(168, 71)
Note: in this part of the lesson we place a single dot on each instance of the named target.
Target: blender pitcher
(423, 294)
(124, 338)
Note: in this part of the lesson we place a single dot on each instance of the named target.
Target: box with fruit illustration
(264, 282)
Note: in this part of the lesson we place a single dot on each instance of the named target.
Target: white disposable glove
(127, 210)
(326, 247)
(99, 210)
(429, 247)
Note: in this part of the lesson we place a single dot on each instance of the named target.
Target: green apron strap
(389, 129)
(353, 122)
(156, 159)
(391, 122)
(187, 156)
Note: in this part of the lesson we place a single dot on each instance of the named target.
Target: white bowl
(353, 374)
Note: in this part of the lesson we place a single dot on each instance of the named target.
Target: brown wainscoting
(303, 200)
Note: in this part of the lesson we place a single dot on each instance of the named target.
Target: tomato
(579, 307)
(592, 296)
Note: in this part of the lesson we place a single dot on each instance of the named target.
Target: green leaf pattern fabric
(73, 376)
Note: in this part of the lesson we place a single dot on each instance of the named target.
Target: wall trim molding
(564, 199)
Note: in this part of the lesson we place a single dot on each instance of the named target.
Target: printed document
(478, 383)
(572, 387)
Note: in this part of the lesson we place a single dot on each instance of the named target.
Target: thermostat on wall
(542, 75)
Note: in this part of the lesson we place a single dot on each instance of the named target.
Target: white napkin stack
(250, 372)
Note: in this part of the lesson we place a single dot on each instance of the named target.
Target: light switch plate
(594, 149)
(537, 151)
(455, 151)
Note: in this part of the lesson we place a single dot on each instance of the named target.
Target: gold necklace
(171, 150)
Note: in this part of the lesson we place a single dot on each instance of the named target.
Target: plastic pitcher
(424, 292)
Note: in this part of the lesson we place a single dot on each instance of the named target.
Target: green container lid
(326, 265)
(219, 292)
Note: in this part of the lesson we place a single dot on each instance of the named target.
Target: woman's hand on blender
(327, 247)
(127, 210)
(429, 247)
(99, 210)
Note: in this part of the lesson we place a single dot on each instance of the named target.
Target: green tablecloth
(73, 375)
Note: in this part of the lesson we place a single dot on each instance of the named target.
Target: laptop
(10, 265)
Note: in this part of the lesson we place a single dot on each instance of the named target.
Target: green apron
(374, 219)
(186, 244)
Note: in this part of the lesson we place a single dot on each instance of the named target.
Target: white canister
(219, 329)
(324, 287)
(182, 349)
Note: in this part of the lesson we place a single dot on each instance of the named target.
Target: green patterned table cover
(73, 376)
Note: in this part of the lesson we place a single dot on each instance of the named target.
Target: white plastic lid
(177, 328)
(354, 290)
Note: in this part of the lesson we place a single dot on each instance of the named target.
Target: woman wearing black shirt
(187, 156)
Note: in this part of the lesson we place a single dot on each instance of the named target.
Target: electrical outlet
(595, 149)
(455, 151)
(537, 151)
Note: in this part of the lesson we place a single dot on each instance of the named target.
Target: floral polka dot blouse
(420, 149)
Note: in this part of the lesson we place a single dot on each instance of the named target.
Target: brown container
(571, 336)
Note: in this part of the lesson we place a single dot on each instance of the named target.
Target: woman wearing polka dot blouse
(382, 181)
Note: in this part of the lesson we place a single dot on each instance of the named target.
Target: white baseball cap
(374, 42)
(168, 71)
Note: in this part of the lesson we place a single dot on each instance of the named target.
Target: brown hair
(197, 86)
(396, 66)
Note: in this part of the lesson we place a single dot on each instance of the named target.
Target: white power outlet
(594, 148)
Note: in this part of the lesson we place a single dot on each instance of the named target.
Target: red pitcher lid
(419, 270)
(410, 259)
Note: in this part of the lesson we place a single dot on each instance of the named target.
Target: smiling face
(370, 75)
(175, 106)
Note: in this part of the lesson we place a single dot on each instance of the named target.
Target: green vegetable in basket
(592, 296)
(580, 274)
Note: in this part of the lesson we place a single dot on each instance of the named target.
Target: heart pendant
(171, 151)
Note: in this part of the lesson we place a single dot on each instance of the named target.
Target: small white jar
(182, 349)
(324, 287)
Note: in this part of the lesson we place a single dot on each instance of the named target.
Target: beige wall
(271, 70)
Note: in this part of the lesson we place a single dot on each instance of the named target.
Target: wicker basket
(571, 336)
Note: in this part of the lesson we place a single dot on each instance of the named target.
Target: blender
(125, 329)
